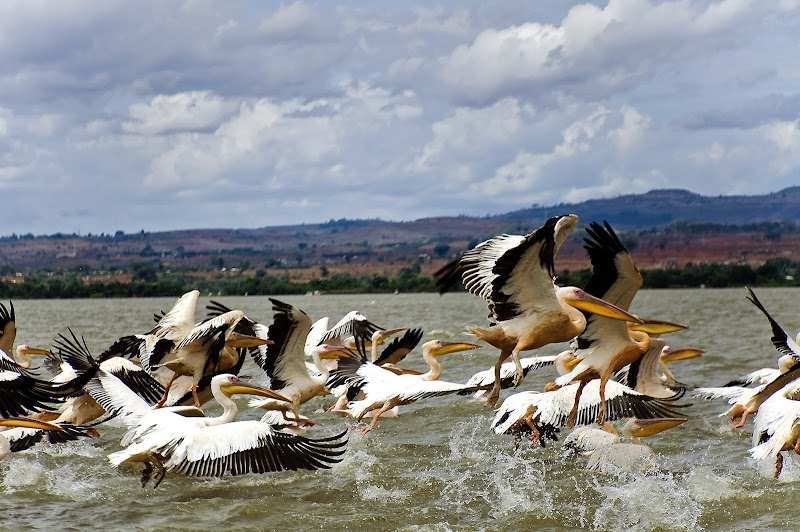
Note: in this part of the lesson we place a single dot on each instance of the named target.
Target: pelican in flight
(284, 361)
(747, 401)
(608, 345)
(196, 350)
(383, 389)
(508, 370)
(776, 427)
(610, 452)
(514, 274)
(183, 440)
(523, 411)
(21, 422)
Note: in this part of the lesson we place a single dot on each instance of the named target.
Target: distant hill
(662, 207)
(381, 246)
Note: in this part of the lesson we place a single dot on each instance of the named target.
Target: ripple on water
(646, 502)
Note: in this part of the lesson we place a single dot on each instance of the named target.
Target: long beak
(657, 326)
(28, 350)
(387, 333)
(454, 347)
(247, 388)
(337, 351)
(571, 363)
(595, 305)
(681, 354)
(648, 427)
(239, 340)
(28, 423)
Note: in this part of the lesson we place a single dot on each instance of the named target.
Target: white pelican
(607, 345)
(747, 401)
(610, 453)
(514, 274)
(284, 361)
(383, 389)
(5, 443)
(81, 408)
(523, 410)
(205, 350)
(776, 427)
(183, 440)
(643, 376)
(508, 369)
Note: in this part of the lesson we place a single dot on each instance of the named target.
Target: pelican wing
(284, 362)
(773, 425)
(400, 347)
(179, 321)
(781, 341)
(414, 388)
(759, 376)
(352, 324)
(250, 447)
(116, 398)
(614, 275)
(508, 369)
(8, 328)
(135, 378)
(514, 274)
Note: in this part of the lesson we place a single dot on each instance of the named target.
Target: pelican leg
(520, 373)
(158, 474)
(194, 394)
(778, 465)
(534, 437)
(740, 423)
(340, 403)
(371, 426)
(494, 394)
(574, 412)
(601, 414)
(166, 391)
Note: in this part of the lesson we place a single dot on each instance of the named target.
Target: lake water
(437, 466)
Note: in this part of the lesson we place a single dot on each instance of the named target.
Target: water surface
(437, 466)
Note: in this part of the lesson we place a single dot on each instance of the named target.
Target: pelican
(608, 452)
(8, 334)
(383, 389)
(284, 361)
(514, 274)
(5, 443)
(520, 411)
(776, 427)
(183, 440)
(508, 369)
(204, 351)
(607, 345)
(643, 376)
(353, 324)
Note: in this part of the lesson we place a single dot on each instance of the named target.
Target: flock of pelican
(615, 370)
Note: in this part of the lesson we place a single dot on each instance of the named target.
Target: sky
(160, 115)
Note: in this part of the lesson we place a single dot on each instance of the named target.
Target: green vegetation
(151, 280)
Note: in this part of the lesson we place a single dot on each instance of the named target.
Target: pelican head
(23, 351)
(440, 347)
(575, 297)
(230, 384)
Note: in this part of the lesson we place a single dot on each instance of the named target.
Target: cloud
(594, 51)
(187, 111)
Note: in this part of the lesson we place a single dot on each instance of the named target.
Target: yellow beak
(657, 326)
(453, 347)
(238, 340)
(246, 388)
(681, 354)
(595, 305)
(648, 427)
(28, 423)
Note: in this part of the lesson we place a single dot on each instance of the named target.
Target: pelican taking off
(514, 274)
(183, 440)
